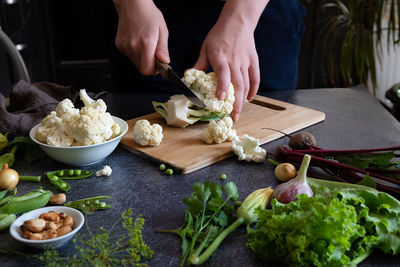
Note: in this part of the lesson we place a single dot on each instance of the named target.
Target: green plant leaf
(231, 191)
(3, 141)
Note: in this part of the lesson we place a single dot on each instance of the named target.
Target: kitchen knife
(168, 74)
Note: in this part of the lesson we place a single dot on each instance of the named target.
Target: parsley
(208, 213)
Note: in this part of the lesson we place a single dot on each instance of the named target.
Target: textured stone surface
(354, 119)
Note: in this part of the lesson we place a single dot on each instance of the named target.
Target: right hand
(142, 34)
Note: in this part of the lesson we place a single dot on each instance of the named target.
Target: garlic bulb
(287, 192)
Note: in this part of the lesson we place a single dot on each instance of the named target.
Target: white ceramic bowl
(16, 233)
(82, 155)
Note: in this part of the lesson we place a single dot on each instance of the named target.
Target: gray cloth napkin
(30, 103)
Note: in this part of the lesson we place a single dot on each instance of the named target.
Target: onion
(9, 178)
(284, 172)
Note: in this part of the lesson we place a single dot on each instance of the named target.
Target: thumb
(202, 61)
(162, 46)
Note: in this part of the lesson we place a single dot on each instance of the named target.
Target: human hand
(142, 34)
(230, 50)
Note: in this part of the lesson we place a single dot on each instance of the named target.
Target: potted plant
(351, 38)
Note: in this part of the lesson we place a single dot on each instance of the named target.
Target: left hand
(229, 49)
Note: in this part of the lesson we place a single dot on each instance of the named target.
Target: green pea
(63, 185)
(102, 204)
(88, 202)
(223, 176)
(53, 178)
(82, 205)
(77, 172)
(96, 202)
(162, 167)
(70, 172)
(85, 172)
(169, 172)
(61, 173)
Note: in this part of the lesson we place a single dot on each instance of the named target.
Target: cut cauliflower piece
(58, 137)
(106, 171)
(247, 148)
(219, 131)
(205, 87)
(146, 134)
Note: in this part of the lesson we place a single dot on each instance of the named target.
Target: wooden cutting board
(183, 148)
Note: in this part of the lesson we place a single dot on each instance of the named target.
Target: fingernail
(235, 117)
(222, 95)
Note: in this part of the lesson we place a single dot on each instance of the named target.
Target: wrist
(124, 5)
(241, 13)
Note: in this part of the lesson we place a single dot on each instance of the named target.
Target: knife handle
(162, 68)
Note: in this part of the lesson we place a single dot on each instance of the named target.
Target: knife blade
(168, 74)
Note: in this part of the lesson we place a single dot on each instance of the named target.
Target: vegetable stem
(30, 178)
(196, 260)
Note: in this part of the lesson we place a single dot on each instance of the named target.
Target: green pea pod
(7, 221)
(60, 184)
(3, 194)
(89, 204)
(2, 216)
(8, 198)
(69, 174)
(21, 206)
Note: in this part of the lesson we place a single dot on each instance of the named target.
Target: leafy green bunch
(30, 150)
(340, 226)
(106, 247)
(208, 213)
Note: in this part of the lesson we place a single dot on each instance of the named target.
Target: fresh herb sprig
(208, 213)
(102, 248)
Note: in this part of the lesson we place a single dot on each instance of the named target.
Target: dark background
(64, 42)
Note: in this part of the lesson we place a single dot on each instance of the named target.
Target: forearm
(243, 12)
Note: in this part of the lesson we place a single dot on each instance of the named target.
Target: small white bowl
(82, 155)
(16, 233)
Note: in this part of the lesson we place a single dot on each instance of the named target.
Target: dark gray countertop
(354, 119)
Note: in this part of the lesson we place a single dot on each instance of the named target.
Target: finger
(223, 79)
(162, 46)
(246, 83)
(254, 77)
(238, 84)
(202, 62)
(147, 58)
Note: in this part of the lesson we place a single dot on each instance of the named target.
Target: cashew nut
(63, 230)
(52, 233)
(50, 225)
(50, 216)
(58, 199)
(35, 225)
(68, 221)
(35, 236)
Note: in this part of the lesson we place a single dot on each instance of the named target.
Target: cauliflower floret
(106, 171)
(147, 134)
(66, 111)
(205, 85)
(58, 137)
(48, 125)
(98, 104)
(247, 148)
(219, 131)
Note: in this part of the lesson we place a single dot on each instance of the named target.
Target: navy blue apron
(277, 36)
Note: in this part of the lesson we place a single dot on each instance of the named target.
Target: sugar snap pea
(89, 204)
(3, 194)
(60, 184)
(2, 216)
(27, 202)
(7, 221)
(8, 198)
(69, 174)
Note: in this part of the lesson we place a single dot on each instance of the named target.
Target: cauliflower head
(219, 131)
(205, 86)
(248, 148)
(146, 134)
(69, 126)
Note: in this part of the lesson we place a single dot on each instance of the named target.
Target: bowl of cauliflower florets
(79, 137)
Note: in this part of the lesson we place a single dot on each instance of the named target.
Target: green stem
(196, 260)
(273, 161)
(30, 178)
